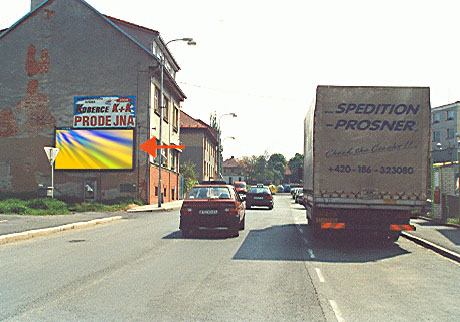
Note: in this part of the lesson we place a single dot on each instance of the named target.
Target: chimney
(35, 3)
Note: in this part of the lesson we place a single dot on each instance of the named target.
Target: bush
(37, 204)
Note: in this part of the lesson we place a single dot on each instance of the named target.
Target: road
(141, 269)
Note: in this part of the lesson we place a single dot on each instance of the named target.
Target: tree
(277, 164)
(190, 175)
(296, 166)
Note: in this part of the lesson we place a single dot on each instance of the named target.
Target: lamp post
(220, 144)
(162, 65)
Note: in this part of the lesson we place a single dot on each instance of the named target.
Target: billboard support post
(51, 153)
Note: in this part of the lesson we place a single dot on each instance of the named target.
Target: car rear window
(240, 185)
(259, 190)
(208, 193)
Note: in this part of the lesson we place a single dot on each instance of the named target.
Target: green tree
(188, 170)
(296, 166)
(276, 164)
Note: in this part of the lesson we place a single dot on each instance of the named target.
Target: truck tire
(393, 236)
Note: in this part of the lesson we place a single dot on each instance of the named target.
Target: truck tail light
(331, 225)
(402, 227)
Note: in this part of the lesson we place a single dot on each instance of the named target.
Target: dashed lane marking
(335, 308)
(312, 255)
(320, 275)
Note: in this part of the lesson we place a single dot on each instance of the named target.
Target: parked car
(259, 195)
(212, 205)
(295, 191)
(279, 189)
(287, 188)
(272, 188)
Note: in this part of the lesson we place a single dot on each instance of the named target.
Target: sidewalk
(438, 236)
(10, 224)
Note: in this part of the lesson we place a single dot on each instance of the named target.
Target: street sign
(51, 153)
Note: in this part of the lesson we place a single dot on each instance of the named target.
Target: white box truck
(366, 158)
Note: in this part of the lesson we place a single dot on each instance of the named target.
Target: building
(201, 147)
(445, 132)
(66, 68)
(232, 171)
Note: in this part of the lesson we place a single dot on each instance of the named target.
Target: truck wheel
(317, 232)
(393, 237)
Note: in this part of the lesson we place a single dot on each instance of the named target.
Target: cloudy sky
(263, 59)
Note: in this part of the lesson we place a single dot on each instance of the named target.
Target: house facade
(201, 145)
(231, 171)
(67, 70)
(444, 132)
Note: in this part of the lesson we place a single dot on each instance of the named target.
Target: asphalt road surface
(141, 269)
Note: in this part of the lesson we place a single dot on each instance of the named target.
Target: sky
(263, 59)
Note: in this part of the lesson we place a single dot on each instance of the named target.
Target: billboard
(104, 111)
(94, 149)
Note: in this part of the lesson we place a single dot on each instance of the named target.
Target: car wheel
(248, 206)
(242, 223)
(270, 207)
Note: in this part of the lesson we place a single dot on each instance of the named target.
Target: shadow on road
(452, 234)
(202, 234)
(284, 243)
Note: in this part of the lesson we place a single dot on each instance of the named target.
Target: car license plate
(259, 198)
(208, 212)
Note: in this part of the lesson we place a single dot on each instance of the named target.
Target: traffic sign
(51, 153)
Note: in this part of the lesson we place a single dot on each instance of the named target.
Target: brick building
(63, 53)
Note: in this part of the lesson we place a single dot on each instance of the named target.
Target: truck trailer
(366, 158)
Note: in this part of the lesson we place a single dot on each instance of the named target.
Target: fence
(445, 202)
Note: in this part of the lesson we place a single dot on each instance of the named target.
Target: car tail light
(186, 211)
(269, 197)
(232, 211)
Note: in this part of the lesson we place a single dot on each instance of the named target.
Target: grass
(455, 221)
(51, 206)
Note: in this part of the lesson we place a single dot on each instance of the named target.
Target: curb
(4, 239)
(153, 209)
(438, 223)
(438, 249)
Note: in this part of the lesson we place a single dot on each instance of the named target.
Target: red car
(212, 205)
(240, 187)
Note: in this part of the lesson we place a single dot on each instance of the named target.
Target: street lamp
(162, 65)
(220, 147)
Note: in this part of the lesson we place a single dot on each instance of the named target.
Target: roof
(231, 163)
(188, 122)
(114, 22)
(446, 106)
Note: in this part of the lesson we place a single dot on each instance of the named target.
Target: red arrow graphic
(150, 146)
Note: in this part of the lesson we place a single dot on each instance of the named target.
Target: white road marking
(311, 253)
(320, 275)
(335, 308)
(301, 230)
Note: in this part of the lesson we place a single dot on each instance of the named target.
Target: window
(176, 118)
(166, 110)
(436, 136)
(450, 133)
(450, 115)
(156, 102)
(436, 117)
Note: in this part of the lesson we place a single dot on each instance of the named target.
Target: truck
(366, 159)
